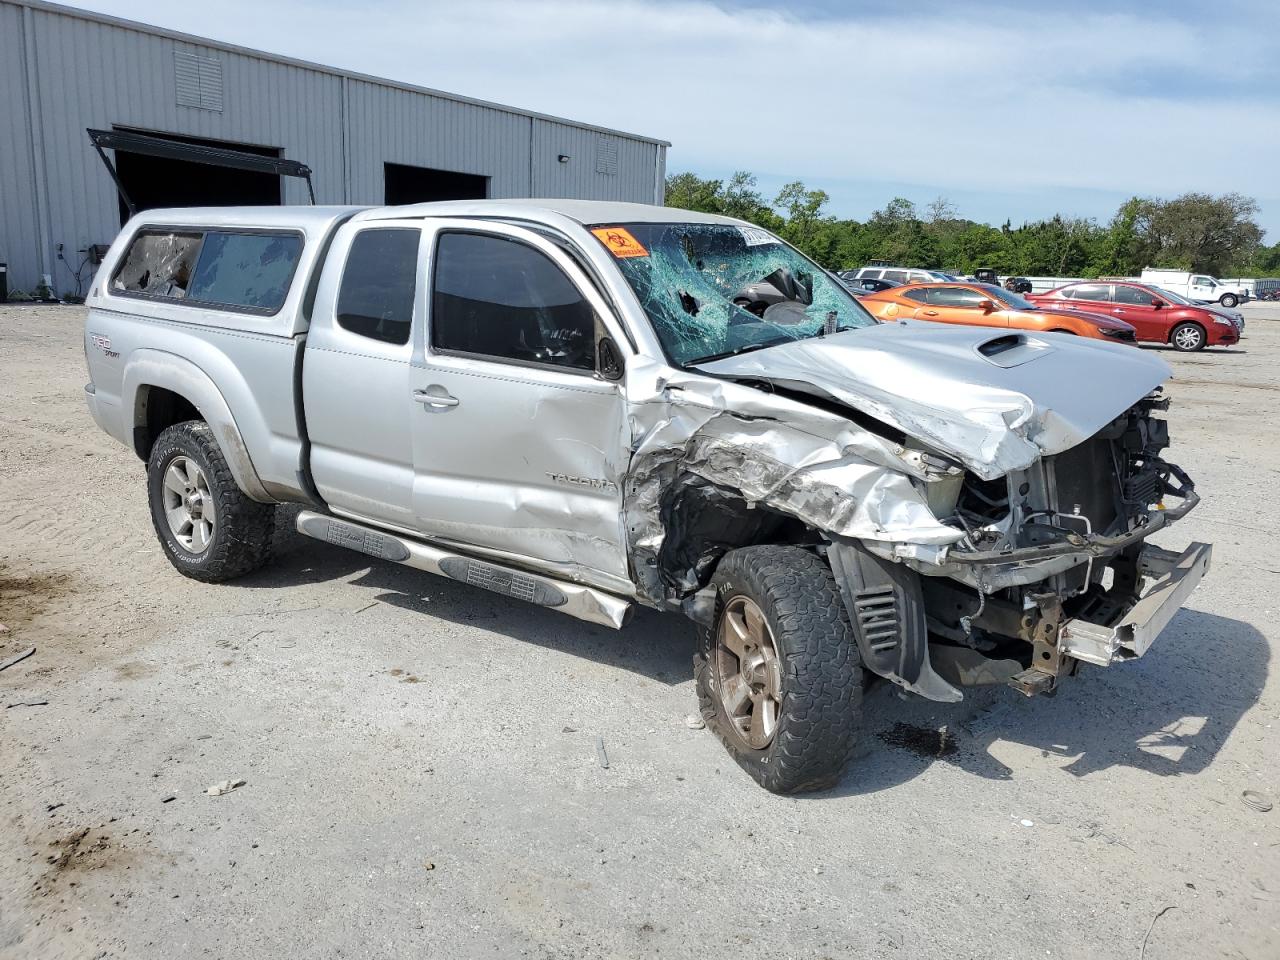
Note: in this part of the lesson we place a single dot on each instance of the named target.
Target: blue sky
(1010, 110)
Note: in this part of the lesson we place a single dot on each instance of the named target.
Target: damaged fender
(772, 452)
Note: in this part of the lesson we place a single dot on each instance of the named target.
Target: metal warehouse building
(366, 140)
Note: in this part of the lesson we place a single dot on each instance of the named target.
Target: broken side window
(158, 264)
(246, 270)
(716, 289)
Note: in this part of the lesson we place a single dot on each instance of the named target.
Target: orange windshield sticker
(620, 242)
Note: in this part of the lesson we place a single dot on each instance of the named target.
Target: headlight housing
(1225, 321)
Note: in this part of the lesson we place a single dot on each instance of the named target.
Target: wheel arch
(162, 389)
(1187, 321)
(702, 521)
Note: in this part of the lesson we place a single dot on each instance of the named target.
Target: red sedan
(1157, 315)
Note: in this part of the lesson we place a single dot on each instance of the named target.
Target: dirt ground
(420, 761)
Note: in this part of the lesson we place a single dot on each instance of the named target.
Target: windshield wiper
(737, 351)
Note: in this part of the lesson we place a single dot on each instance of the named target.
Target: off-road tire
(241, 541)
(1190, 346)
(1229, 300)
(821, 675)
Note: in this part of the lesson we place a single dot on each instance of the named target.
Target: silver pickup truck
(584, 405)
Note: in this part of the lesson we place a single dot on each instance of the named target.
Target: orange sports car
(986, 305)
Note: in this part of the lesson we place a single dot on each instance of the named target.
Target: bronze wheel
(747, 675)
(778, 675)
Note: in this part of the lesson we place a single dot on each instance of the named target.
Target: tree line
(1217, 235)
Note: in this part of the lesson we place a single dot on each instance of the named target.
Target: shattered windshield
(713, 290)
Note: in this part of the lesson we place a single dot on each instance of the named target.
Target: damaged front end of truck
(984, 498)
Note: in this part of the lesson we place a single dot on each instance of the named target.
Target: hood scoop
(1012, 349)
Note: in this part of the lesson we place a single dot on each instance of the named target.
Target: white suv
(903, 275)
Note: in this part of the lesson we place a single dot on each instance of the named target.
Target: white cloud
(1026, 102)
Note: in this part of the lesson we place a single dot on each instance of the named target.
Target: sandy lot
(420, 756)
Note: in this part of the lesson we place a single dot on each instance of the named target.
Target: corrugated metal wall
(62, 71)
(20, 220)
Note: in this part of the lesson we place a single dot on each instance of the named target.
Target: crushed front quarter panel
(779, 453)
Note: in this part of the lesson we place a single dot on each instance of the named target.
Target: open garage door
(408, 184)
(163, 170)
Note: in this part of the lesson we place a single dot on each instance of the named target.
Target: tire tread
(242, 542)
(822, 683)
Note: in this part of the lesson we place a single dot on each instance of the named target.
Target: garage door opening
(406, 184)
(159, 181)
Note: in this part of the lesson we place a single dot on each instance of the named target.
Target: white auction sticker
(755, 237)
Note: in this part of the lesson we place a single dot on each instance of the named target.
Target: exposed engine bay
(1058, 543)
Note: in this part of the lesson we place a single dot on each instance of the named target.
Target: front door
(520, 444)
(1202, 288)
(1133, 306)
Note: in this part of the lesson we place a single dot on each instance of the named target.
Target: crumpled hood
(995, 399)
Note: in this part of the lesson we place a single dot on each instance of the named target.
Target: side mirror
(610, 361)
(1157, 303)
(989, 306)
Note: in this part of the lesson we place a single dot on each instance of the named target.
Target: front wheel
(1187, 337)
(209, 529)
(1229, 300)
(778, 674)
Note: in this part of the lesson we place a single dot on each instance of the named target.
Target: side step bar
(585, 603)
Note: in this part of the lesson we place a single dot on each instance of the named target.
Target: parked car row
(987, 305)
(1197, 287)
(1119, 312)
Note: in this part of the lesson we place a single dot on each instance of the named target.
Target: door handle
(434, 400)
(929, 313)
(1117, 310)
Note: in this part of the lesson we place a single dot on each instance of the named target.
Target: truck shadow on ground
(1168, 713)
(652, 645)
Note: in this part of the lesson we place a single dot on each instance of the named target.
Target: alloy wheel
(1188, 338)
(748, 676)
(188, 505)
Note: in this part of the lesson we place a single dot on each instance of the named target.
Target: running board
(585, 603)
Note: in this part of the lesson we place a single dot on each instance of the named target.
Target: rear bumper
(1134, 633)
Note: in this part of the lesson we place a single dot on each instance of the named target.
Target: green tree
(1196, 231)
(690, 192)
(803, 219)
(741, 199)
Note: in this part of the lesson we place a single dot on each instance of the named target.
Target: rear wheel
(1229, 300)
(210, 530)
(778, 674)
(1187, 337)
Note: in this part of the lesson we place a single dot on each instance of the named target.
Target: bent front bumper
(1128, 638)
